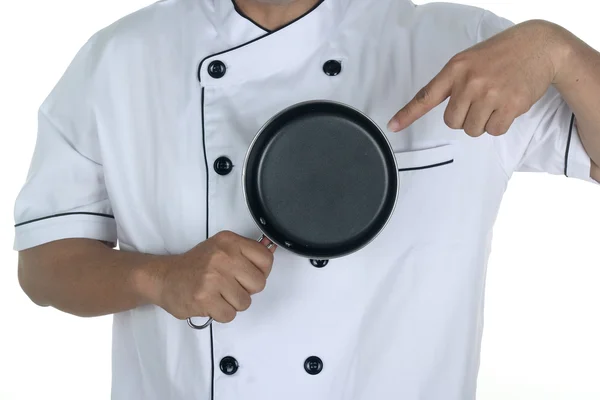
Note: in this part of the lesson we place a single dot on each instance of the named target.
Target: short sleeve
(64, 195)
(545, 139)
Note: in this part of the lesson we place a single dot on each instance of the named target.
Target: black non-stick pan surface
(320, 179)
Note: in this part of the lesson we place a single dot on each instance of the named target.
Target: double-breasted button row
(217, 68)
(313, 365)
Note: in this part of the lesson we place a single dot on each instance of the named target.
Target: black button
(228, 365)
(332, 67)
(313, 365)
(223, 165)
(319, 263)
(217, 69)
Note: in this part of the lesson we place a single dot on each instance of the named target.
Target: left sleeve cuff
(65, 226)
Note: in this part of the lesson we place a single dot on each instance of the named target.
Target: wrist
(148, 278)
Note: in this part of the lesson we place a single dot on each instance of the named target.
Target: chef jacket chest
(191, 137)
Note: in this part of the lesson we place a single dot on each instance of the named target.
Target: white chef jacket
(126, 153)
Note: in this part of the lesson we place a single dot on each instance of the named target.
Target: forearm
(87, 278)
(578, 81)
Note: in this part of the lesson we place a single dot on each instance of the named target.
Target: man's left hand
(491, 83)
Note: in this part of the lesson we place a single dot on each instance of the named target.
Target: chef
(140, 147)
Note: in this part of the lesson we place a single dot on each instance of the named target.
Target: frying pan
(320, 180)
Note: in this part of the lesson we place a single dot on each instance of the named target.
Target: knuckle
(211, 277)
(261, 284)
(206, 288)
(201, 296)
(460, 58)
(497, 128)
(267, 270)
(513, 105)
(473, 132)
(459, 62)
(226, 316)
(179, 315)
(451, 120)
(269, 259)
(497, 132)
(191, 309)
(225, 236)
(519, 104)
(217, 258)
(476, 84)
(258, 284)
(245, 303)
(493, 130)
(492, 93)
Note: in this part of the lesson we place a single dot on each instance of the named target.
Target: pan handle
(210, 320)
(199, 327)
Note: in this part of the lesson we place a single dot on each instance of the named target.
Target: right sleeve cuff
(577, 161)
(65, 226)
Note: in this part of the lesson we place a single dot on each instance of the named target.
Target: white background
(542, 333)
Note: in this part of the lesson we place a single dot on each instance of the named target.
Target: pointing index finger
(429, 97)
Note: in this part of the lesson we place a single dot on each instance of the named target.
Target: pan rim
(266, 126)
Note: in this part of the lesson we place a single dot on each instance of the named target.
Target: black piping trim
(63, 215)
(212, 348)
(205, 157)
(212, 367)
(241, 13)
(256, 39)
(426, 166)
(569, 144)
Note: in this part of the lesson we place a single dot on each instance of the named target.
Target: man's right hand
(216, 278)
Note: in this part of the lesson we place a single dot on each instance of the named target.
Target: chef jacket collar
(256, 54)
